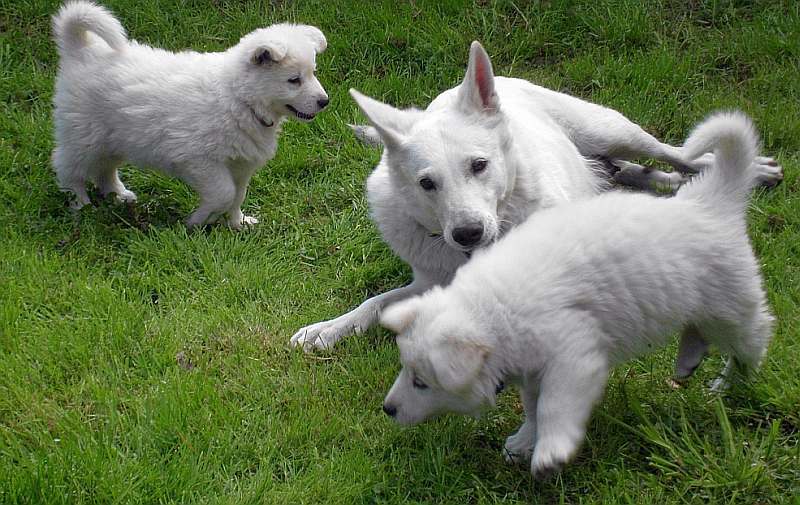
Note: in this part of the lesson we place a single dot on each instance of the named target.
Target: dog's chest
(251, 154)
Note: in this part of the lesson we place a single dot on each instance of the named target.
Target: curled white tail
(726, 185)
(74, 19)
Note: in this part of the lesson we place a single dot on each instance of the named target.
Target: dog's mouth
(300, 115)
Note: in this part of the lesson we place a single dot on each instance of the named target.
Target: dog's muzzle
(389, 410)
(305, 116)
(468, 235)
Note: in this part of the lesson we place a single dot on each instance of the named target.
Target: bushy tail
(76, 18)
(727, 184)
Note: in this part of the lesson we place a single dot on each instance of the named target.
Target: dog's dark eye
(427, 184)
(479, 165)
(295, 80)
(419, 384)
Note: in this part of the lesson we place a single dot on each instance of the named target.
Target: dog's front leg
(217, 192)
(571, 386)
(519, 446)
(325, 334)
(236, 219)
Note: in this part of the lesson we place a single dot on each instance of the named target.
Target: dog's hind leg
(604, 132)
(72, 170)
(691, 351)
(643, 177)
(107, 179)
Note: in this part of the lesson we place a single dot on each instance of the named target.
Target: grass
(140, 363)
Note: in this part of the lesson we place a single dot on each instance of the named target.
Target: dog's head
(277, 67)
(445, 360)
(451, 160)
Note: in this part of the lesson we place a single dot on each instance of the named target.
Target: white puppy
(210, 119)
(479, 160)
(581, 287)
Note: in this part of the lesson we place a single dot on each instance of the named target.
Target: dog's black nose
(468, 235)
(322, 103)
(390, 410)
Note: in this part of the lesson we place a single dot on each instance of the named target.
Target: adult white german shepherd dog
(479, 160)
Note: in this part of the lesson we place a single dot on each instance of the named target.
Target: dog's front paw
(549, 457)
(320, 336)
(306, 338)
(239, 220)
(127, 196)
(518, 448)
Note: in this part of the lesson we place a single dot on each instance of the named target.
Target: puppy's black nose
(390, 410)
(468, 235)
(322, 103)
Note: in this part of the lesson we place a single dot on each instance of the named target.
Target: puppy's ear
(477, 92)
(397, 317)
(316, 36)
(457, 363)
(391, 124)
(266, 53)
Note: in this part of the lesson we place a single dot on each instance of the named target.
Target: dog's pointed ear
(391, 124)
(268, 52)
(399, 316)
(477, 92)
(316, 36)
(457, 363)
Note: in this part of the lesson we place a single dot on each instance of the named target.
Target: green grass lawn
(140, 363)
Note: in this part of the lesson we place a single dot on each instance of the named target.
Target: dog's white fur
(536, 142)
(583, 286)
(210, 119)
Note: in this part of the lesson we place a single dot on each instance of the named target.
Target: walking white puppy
(478, 161)
(581, 287)
(210, 119)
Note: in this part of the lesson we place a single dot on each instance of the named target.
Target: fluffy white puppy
(580, 287)
(210, 119)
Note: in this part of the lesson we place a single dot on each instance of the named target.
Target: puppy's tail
(726, 185)
(76, 18)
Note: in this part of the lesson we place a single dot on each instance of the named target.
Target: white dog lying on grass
(210, 119)
(581, 287)
(478, 161)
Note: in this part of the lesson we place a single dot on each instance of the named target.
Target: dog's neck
(261, 120)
